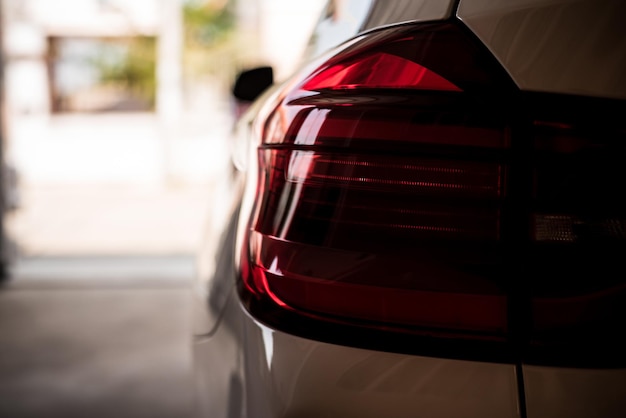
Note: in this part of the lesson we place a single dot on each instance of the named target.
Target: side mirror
(251, 83)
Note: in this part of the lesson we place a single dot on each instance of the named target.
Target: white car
(426, 220)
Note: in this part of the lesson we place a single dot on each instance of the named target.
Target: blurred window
(102, 74)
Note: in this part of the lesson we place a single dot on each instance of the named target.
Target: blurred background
(115, 125)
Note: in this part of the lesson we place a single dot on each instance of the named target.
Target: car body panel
(341, 20)
(214, 262)
(280, 375)
(399, 11)
(336, 24)
(554, 392)
(557, 46)
(219, 368)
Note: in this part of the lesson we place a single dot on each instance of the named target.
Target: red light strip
(302, 168)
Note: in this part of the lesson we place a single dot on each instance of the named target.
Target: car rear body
(426, 220)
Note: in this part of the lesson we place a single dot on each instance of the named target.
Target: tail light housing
(575, 276)
(402, 196)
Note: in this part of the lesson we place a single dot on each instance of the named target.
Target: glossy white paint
(343, 19)
(560, 46)
(574, 393)
(212, 285)
(399, 11)
(218, 368)
(340, 21)
(275, 374)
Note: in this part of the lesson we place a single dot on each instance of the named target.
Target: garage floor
(92, 350)
(86, 332)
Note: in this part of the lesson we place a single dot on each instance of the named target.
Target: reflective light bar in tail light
(375, 287)
(312, 192)
(381, 189)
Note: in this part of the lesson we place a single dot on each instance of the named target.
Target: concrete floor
(95, 319)
(73, 345)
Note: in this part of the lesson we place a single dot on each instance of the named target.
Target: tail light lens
(381, 186)
(401, 192)
(577, 283)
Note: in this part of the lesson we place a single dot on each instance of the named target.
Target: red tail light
(380, 191)
(378, 70)
(402, 191)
